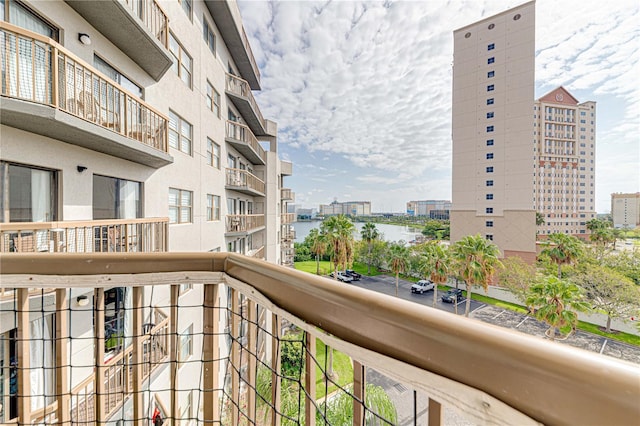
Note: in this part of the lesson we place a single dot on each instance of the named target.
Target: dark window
(32, 195)
(490, 169)
(490, 114)
(207, 34)
(20, 15)
(489, 223)
(488, 210)
(491, 74)
(489, 183)
(491, 46)
(115, 198)
(490, 101)
(489, 129)
(489, 155)
(489, 142)
(489, 237)
(490, 88)
(491, 60)
(489, 196)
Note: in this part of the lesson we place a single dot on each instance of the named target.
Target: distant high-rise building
(436, 209)
(493, 145)
(625, 210)
(349, 208)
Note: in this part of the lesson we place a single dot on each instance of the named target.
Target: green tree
(626, 262)
(602, 235)
(301, 252)
(562, 249)
(318, 246)
(398, 260)
(556, 302)
(517, 276)
(338, 232)
(540, 220)
(340, 408)
(436, 229)
(369, 234)
(437, 262)
(609, 292)
(477, 260)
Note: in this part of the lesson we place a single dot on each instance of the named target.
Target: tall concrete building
(131, 126)
(565, 136)
(625, 210)
(349, 208)
(493, 149)
(435, 209)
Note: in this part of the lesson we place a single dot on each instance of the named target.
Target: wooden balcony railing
(244, 222)
(256, 253)
(286, 194)
(238, 178)
(242, 133)
(487, 374)
(153, 17)
(240, 87)
(288, 218)
(37, 69)
(121, 235)
(288, 235)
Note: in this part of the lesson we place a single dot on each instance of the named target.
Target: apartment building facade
(132, 127)
(349, 208)
(625, 210)
(565, 148)
(493, 146)
(434, 209)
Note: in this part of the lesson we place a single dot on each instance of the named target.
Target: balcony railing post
(54, 76)
(359, 379)
(62, 339)
(310, 379)
(275, 369)
(235, 357)
(435, 413)
(137, 358)
(210, 358)
(24, 358)
(173, 351)
(98, 314)
(253, 354)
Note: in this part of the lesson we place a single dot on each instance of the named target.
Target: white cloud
(361, 90)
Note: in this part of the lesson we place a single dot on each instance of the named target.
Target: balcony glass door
(32, 194)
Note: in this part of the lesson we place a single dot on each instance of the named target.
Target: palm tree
(398, 260)
(369, 234)
(477, 260)
(556, 302)
(318, 246)
(338, 233)
(561, 249)
(437, 261)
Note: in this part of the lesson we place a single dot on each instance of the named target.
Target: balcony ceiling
(246, 150)
(245, 190)
(248, 113)
(229, 29)
(127, 32)
(53, 123)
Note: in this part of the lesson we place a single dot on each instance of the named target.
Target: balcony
(451, 362)
(245, 142)
(49, 91)
(257, 253)
(243, 224)
(286, 194)
(242, 97)
(242, 181)
(91, 236)
(229, 22)
(287, 218)
(286, 168)
(139, 28)
(288, 235)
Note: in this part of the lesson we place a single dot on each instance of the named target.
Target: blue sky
(361, 90)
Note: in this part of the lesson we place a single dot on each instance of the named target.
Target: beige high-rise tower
(493, 140)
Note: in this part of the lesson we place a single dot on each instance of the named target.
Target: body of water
(389, 232)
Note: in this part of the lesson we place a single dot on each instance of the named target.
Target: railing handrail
(570, 385)
(62, 224)
(26, 33)
(248, 95)
(246, 172)
(252, 140)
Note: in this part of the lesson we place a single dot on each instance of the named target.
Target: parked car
(422, 286)
(353, 274)
(454, 295)
(342, 277)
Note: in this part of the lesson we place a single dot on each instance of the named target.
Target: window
(489, 155)
(488, 210)
(491, 74)
(213, 154)
(490, 115)
(186, 344)
(490, 169)
(489, 197)
(115, 198)
(490, 88)
(180, 132)
(187, 6)
(489, 129)
(491, 60)
(116, 76)
(185, 288)
(209, 37)
(213, 99)
(489, 237)
(491, 46)
(180, 206)
(489, 224)
(490, 101)
(213, 207)
(489, 142)
(20, 15)
(182, 63)
(32, 194)
(489, 183)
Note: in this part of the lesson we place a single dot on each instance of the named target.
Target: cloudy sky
(361, 90)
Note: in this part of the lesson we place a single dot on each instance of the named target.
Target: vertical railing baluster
(61, 342)
(275, 370)
(310, 379)
(435, 413)
(98, 315)
(235, 357)
(252, 338)
(359, 380)
(24, 358)
(210, 359)
(137, 359)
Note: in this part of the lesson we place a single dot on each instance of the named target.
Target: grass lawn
(325, 267)
(341, 366)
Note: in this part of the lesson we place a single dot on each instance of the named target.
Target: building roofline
(523, 5)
